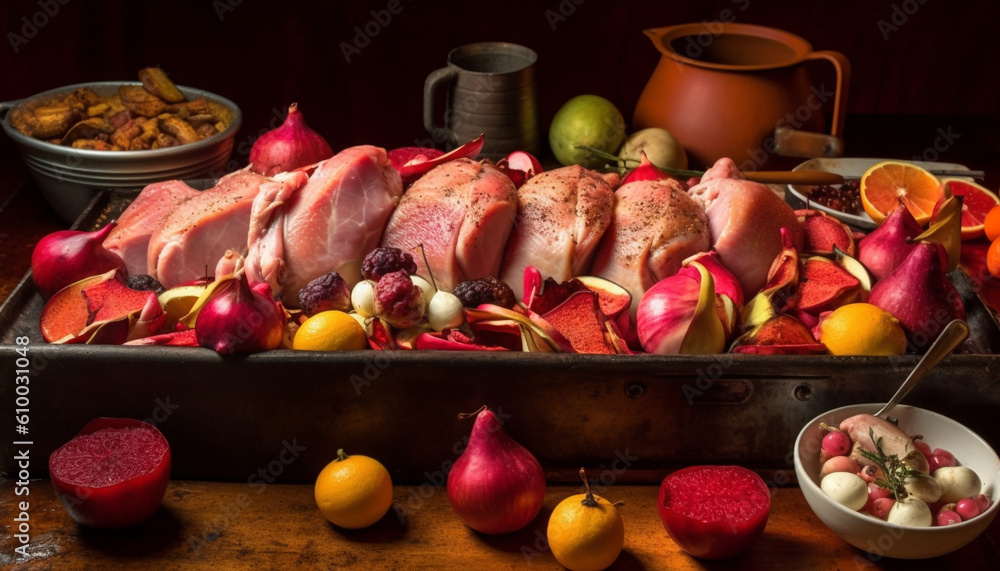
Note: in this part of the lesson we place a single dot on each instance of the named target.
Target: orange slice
(888, 182)
(977, 201)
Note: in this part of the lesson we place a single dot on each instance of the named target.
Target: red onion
(292, 145)
(238, 319)
(645, 171)
(496, 486)
(68, 256)
(677, 316)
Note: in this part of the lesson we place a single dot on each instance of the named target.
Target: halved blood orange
(888, 182)
(977, 202)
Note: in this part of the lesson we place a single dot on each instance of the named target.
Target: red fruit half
(714, 512)
(112, 474)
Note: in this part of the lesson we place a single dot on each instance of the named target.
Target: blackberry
(381, 261)
(325, 293)
(474, 293)
(145, 282)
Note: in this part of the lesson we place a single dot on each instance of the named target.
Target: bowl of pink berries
(918, 486)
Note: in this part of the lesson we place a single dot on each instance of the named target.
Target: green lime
(588, 120)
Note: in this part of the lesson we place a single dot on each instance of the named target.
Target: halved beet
(714, 512)
(112, 474)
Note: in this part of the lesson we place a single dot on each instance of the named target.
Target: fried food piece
(92, 145)
(123, 136)
(140, 102)
(156, 82)
(188, 108)
(90, 128)
(179, 128)
(47, 118)
(164, 140)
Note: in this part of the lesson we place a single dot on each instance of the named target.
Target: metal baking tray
(282, 415)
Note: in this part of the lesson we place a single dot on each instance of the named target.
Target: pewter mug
(490, 91)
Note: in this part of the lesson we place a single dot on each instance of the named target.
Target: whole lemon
(330, 331)
(589, 120)
(862, 329)
(586, 532)
(353, 491)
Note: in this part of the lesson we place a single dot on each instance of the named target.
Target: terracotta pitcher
(744, 92)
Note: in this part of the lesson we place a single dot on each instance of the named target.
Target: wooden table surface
(231, 525)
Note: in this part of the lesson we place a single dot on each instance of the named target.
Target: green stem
(609, 157)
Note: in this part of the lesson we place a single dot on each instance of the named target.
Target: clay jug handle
(843, 68)
(436, 77)
(789, 142)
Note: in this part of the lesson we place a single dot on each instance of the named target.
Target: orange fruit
(330, 331)
(993, 259)
(888, 182)
(353, 491)
(977, 201)
(991, 224)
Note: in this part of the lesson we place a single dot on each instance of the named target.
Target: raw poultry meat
(130, 239)
(561, 216)
(745, 219)
(656, 226)
(191, 239)
(329, 224)
(461, 212)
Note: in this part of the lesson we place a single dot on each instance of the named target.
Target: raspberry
(382, 261)
(474, 293)
(327, 292)
(398, 300)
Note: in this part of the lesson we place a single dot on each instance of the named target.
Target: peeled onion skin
(496, 486)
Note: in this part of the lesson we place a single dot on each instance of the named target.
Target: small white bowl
(68, 178)
(882, 539)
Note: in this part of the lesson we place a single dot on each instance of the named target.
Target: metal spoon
(951, 336)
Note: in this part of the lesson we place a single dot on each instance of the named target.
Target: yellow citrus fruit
(586, 532)
(862, 329)
(887, 183)
(330, 331)
(589, 120)
(353, 491)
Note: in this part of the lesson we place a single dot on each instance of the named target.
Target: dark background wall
(908, 56)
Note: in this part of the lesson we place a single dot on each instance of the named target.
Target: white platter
(851, 167)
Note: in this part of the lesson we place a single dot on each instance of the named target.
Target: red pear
(918, 292)
(886, 246)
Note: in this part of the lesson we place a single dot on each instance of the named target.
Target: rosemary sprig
(892, 467)
(622, 164)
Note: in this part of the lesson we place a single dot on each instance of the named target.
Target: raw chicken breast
(130, 239)
(329, 224)
(656, 226)
(192, 238)
(561, 216)
(462, 212)
(745, 219)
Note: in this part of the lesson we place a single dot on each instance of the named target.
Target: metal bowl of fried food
(69, 177)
